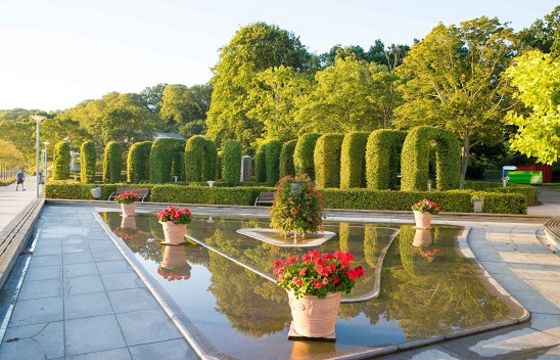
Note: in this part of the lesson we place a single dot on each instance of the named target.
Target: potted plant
(297, 208)
(316, 281)
(174, 223)
(423, 211)
(128, 203)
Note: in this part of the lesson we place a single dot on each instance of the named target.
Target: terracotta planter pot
(422, 237)
(174, 233)
(423, 219)
(314, 317)
(173, 257)
(128, 209)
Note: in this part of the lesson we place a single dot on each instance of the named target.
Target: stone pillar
(246, 168)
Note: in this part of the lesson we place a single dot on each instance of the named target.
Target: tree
(182, 105)
(453, 80)
(544, 34)
(390, 56)
(152, 97)
(536, 77)
(253, 48)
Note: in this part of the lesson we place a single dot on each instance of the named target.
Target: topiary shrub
(415, 159)
(163, 155)
(61, 161)
(303, 154)
(194, 158)
(137, 162)
(327, 160)
(287, 158)
(178, 165)
(352, 160)
(260, 164)
(210, 163)
(231, 162)
(273, 149)
(87, 162)
(383, 158)
(112, 162)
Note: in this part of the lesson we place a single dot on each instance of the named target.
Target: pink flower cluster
(175, 215)
(172, 276)
(426, 205)
(127, 198)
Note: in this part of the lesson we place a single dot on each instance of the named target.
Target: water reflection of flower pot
(174, 233)
(173, 256)
(128, 222)
(312, 316)
(422, 237)
(310, 349)
(423, 219)
(128, 209)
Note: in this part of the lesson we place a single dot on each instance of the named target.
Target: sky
(57, 53)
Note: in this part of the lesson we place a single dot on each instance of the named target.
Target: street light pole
(37, 119)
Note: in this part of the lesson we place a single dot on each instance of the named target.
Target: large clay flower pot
(128, 209)
(173, 256)
(174, 233)
(423, 219)
(314, 317)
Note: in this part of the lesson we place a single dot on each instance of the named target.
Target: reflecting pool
(426, 288)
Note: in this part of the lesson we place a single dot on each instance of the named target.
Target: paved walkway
(550, 203)
(13, 202)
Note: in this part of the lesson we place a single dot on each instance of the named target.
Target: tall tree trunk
(464, 161)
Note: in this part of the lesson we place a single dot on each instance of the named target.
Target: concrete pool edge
(202, 349)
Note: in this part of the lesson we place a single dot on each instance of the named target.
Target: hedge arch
(194, 158)
(418, 146)
(304, 154)
(273, 149)
(287, 158)
(112, 162)
(326, 158)
(260, 164)
(383, 158)
(137, 162)
(87, 162)
(210, 163)
(166, 157)
(61, 161)
(231, 162)
(352, 160)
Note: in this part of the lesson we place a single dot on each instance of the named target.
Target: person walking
(20, 179)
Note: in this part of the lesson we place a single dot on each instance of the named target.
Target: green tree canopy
(182, 104)
(544, 34)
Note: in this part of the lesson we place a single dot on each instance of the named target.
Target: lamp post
(37, 119)
(45, 166)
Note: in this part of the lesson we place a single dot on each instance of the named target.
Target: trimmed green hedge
(137, 162)
(163, 156)
(383, 158)
(210, 163)
(260, 163)
(74, 190)
(531, 193)
(273, 149)
(287, 158)
(225, 184)
(112, 162)
(497, 203)
(207, 195)
(418, 146)
(194, 158)
(352, 160)
(304, 154)
(87, 162)
(61, 161)
(327, 160)
(231, 162)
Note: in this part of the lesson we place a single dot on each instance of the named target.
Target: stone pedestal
(246, 168)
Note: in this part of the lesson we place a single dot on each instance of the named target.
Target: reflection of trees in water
(437, 297)
(343, 236)
(370, 248)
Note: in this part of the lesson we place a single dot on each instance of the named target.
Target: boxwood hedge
(287, 158)
(327, 160)
(231, 162)
(112, 162)
(260, 163)
(273, 149)
(137, 162)
(74, 190)
(87, 162)
(194, 158)
(61, 161)
(352, 160)
(210, 161)
(304, 154)
(164, 153)
(383, 157)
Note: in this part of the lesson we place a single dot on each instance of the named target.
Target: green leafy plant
(194, 158)
(61, 161)
(260, 163)
(273, 149)
(383, 158)
(231, 162)
(163, 155)
(137, 162)
(87, 162)
(326, 158)
(352, 160)
(303, 154)
(112, 162)
(287, 158)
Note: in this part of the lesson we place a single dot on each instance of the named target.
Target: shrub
(531, 194)
(273, 149)
(87, 162)
(497, 203)
(210, 163)
(415, 159)
(327, 160)
(231, 162)
(490, 174)
(304, 154)
(112, 162)
(70, 189)
(260, 164)
(207, 195)
(194, 158)
(137, 169)
(287, 158)
(383, 158)
(61, 161)
(162, 157)
(352, 160)
(178, 165)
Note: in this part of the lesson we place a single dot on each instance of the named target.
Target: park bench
(265, 198)
(141, 193)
